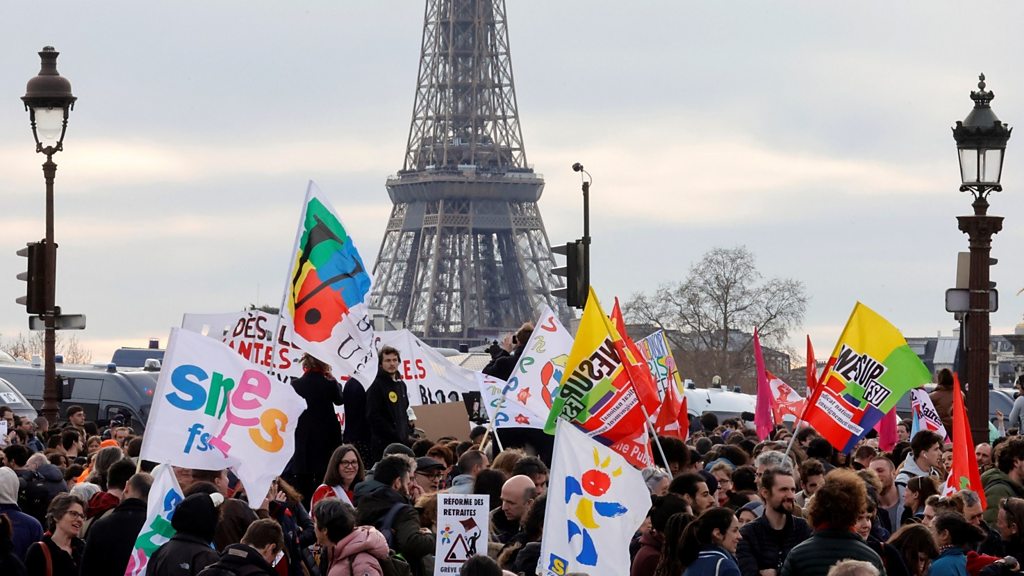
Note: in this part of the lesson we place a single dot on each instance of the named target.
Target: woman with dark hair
(918, 489)
(317, 432)
(10, 564)
(867, 528)
(1010, 525)
(954, 535)
(833, 513)
(59, 553)
(670, 562)
(916, 545)
(345, 469)
(350, 550)
(709, 544)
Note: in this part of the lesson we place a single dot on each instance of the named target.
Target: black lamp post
(48, 100)
(981, 144)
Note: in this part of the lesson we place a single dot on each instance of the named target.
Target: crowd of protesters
(73, 499)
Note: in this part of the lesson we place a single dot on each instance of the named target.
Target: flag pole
(654, 433)
(811, 398)
(497, 440)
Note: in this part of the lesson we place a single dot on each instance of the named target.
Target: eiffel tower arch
(465, 255)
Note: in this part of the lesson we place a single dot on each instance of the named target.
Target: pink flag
(886, 427)
(763, 411)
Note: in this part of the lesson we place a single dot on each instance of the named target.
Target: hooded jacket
(240, 559)
(359, 553)
(373, 501)
(26, 528)
(998, 485)
(462, 484)
(910, 470)
(646, 559)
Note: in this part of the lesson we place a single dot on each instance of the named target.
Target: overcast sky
(817, 134)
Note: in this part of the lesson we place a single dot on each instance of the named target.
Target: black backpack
(394, 564)
(34, 495)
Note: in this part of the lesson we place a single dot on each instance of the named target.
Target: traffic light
(574, 271)
(34, 299)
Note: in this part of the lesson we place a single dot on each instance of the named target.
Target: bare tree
(24, 347)
(709, 317)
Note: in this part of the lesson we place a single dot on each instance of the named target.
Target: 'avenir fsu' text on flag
(871, 368)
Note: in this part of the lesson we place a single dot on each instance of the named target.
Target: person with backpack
(384, 503)
(190, 550)
(24, 528)
(352, 550)
(256, 555)
(41, 483)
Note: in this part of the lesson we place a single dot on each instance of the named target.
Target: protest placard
(463, 528)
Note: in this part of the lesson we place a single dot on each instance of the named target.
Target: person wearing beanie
(190, 550)
(26, 529)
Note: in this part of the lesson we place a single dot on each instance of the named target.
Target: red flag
(763, 411)
(965, 472)
(812, 367)
(886, 427)
(643, 381)
(672, 419)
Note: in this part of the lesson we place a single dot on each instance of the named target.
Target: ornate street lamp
(48, 100)
(981, 144)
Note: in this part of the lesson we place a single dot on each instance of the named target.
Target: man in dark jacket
(112, 537)
(317, 432)
(387, 404)
(767, 540)
(384, 504)
(191, 548)
(255, 555)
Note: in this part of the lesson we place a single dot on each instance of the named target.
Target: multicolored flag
(535, 380)
(636, 366)
(965, 472)
(326, 297)
(596, 392)
(656, 351)
(164, 496)
(925, 414)
(594, 498)
(870, 369)
(504, 409)
(213, 409)
(763, 409)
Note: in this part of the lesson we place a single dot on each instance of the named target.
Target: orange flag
(965, 472)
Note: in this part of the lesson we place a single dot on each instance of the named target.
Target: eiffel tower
(465, 255)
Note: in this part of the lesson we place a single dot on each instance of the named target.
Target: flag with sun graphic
(594, 497)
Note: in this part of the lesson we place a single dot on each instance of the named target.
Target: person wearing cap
(429, 472)
(767, 540)
(191, 548)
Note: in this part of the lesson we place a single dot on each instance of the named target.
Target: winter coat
(952, 562)
(814, 556)
(998, 485)
(646, 559)
(462, 484)
(298, 532)
(26, 528)
(242, 560)
(891, 557)
(182, 555)
(762, 547)
(502, 529)
(359, 553)
(357, 427)
(713, 561)
(374, 500)
(501, 366)
(112, 538)
(41, 486)
(387, 410)
(317, 432)
(63, 563)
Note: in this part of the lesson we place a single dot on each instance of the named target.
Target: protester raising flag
(964, 474)
(596, 393)
(213, 409)
(164, 496)
(595, 501)
(870, 369)
(326, 296)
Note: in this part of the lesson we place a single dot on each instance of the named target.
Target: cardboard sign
(438, 420)
(463, 528)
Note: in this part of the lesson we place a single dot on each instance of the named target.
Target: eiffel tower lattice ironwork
(465, 255)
